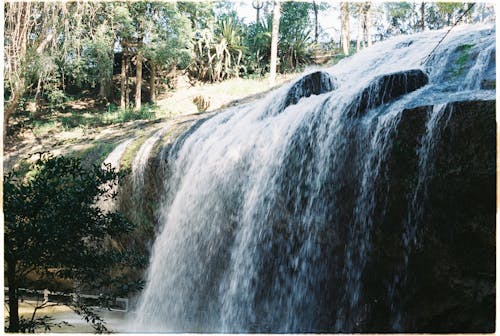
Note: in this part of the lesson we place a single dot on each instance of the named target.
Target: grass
(112, 115)
(80, 114)
(130, 152)
(86, 127)
(96, 153)
(72, 124)
(462, 59)
(219, 94)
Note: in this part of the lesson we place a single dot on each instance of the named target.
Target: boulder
(449, 282)
(312, 84)
(386, 88)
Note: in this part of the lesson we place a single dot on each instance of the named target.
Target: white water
(255, 231)
(140, 161)
(113, 158)
(106, 202)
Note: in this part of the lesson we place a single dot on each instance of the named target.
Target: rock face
(367, 211)
(385, 88)
(442, 278)
(449, 285)
(313, 84)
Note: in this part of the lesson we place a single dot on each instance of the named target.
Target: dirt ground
(115, 319)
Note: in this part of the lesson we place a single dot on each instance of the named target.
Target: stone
(386, 88)
(312, 84)
(450, 273)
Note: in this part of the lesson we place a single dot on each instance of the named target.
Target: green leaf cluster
(54, 230)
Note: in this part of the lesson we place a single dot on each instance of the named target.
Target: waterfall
(141, 159)
(106, 202)
(269, 222)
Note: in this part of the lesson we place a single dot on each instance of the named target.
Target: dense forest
(124, 53)
(90, 80)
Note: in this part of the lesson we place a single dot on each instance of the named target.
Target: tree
(257, 41)
(30, 29)
(295, 34)
(257, 5)
(345, 39)
(169, 46)
(359, 39)
(422, 16)
(316, 33)
(402, 17)
(53, 230)
(363, 10)
(125, 31)
(274, 42)
(367, 7)
(138, 65)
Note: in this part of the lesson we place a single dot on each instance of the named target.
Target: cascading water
(106, 202)
(141, 160)
(274, 208)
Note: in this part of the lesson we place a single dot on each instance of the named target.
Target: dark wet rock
(386, 88)
(488, 84)
(450, 275)
(404, 44)
(489, 81)
(313, 84)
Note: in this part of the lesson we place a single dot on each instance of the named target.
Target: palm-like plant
(258, 40)
(296, 51)
(219, 55)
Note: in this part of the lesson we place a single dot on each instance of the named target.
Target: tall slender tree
(138, 66)
(257, 5)
(359, 39)
(345, 39)
(422, 16)
(316, 24)
(274, 41)
(367, 8)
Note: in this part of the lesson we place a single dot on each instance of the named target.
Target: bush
(54, 229)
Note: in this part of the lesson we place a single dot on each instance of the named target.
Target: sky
(328, 19)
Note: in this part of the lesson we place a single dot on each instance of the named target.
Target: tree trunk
(17, 26)
(422, 16)
(274, 42)
(105, 88)
(13, 297)
(123, 84)
(138, 81)
(368, 23)
(359, 39)
(138, 71)
(152, 82)
(38, 93)
(106, 84)
(257, 5)
(315, 8)
(11, 107)
(344, 27)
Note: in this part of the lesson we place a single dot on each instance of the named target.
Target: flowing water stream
(270, 208)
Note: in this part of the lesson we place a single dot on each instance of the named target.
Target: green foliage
(54, 229)
(99, 56)
(295, 35)
(402, 17)
(116, 116)
(45, 323)
(450, 9)
(218, 54)
(258, 42)
(200, 14)
(462, 59)
(405, 17)
(170, 38)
